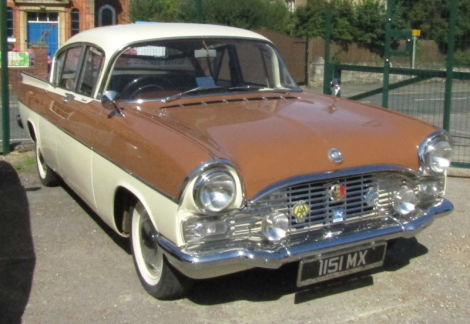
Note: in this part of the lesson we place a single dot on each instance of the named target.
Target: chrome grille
(358, 201)
(366, 197)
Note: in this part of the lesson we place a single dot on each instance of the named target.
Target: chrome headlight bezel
(435, 153)
(202, 179)
(214, 191)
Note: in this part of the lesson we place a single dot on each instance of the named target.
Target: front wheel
(155, 273)
(47, 176)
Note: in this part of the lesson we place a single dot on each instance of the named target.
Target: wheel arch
(124, 200)
(32, 131)
(161, 211)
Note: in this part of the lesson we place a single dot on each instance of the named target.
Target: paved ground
(60, 264)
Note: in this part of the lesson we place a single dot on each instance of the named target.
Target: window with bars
(9, 22)
(106, 16)
(75, 21)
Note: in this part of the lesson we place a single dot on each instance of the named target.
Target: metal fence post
(199, 11)
(450, 62)
(4, 77)
(328, 73)
(388, 40)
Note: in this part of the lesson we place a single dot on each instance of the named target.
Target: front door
(44, 27)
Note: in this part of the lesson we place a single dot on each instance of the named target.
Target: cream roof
(113, 38)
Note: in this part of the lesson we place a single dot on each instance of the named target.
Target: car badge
(300, 211)
(338, 215)
(337, 192)
(335, 155)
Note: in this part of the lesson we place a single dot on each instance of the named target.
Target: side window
(91, 71)
(68, 68)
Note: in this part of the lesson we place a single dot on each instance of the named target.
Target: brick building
(54, 21)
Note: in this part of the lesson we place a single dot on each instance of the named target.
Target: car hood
(270, 138)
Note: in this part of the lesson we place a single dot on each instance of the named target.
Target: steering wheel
(144, 83)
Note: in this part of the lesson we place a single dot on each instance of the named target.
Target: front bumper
(237, 259)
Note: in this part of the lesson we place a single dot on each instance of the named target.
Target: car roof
(116, 37)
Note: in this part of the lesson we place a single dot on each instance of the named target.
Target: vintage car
(195, 142)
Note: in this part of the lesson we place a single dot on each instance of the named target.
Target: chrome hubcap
(149, 245)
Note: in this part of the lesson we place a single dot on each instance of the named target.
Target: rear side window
(78, 69)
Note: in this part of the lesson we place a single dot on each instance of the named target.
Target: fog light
(211, 229)
(274, 226)
(433, 189)
(405, 201)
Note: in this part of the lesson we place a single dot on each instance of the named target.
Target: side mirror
(335, 85)
(108, 101)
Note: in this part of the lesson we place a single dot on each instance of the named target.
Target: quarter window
(68, 68)
(90, 72)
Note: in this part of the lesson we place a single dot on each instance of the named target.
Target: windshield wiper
(221, 89)
(192, 91)
(260, 88)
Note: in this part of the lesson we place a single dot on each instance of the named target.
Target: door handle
(68, 96)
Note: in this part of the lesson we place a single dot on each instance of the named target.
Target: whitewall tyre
(47, 176)
(155, 273)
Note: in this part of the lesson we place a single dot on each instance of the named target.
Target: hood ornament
(335, 155)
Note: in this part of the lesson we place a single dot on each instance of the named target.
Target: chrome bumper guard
(234, 260)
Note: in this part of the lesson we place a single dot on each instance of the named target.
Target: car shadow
(122, 242)
(259, 285)
(17, 256)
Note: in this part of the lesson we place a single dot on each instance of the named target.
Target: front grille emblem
(337, 192)
(338, 215)
(300, 211)
(335, 155)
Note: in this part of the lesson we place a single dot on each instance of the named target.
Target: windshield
(172, 69)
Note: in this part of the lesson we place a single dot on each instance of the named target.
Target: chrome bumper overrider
(223, 262)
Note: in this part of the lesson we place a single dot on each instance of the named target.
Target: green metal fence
(4, 85)
(427, 77)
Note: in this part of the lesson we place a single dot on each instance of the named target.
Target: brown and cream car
(195, 142)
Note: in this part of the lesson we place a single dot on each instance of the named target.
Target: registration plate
(339, 264)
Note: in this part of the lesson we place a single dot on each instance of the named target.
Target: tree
(310, 20)
(155, 10)
(369, 25)
(248, 14)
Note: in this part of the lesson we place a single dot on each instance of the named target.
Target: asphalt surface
(60, 264)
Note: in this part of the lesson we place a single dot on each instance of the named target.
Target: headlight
(214, 191)
(436, 154)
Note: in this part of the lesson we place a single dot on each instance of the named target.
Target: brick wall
(39, 69)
